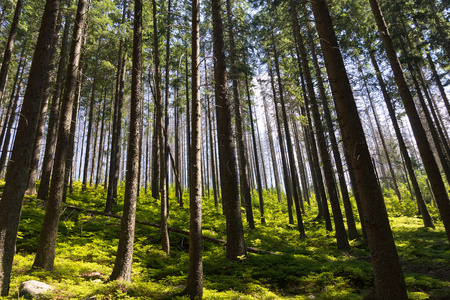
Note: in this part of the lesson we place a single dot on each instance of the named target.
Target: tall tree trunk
(286, 176)
(18, 171)
(52, 125)
(9, 47)
(45, 254)
(161, 136)
(341, 235)
(90, 127)
(31, 184)
(124, 257)
(428, 159)
(255, 151)
(228, 172)
(388, 277)
(296, 193)
(244, 180)
(100, 147)
(114, 164)
(428, 222)
(194, 288)
(352, 231)
(9, 121)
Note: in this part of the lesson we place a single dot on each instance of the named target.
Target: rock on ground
(33, 289)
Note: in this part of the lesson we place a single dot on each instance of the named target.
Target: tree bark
(194, 288)
(388, 277)
(18, 170)
(45, 254)
(428, 159)
(9, 47)
(52, 125)
(124, 257)
(228, 171)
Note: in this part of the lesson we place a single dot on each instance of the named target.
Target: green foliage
(302, 268)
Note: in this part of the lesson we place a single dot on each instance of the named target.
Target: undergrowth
(309, 268)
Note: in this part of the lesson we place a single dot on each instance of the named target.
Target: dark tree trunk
(45, 254)
(9, 47)
(90, 127)
(428, 222)
(18, 171)
(431, 167)
(52, 126)
(341, 235)
(11, 116)
(194, 288)
(31, 185)
(124, 257)
(255, 151)
(114, 164)
(161, 137)
(228, 171)
(437, 79)
(244, 180)
(296, 193)
(388, 276)
(352, 232)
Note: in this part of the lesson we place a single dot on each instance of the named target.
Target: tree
(194, 288)
(9, 47)
(18, 170)
(45, 254)
(227, 158)
(431, 167)
(124, 257)
(388, 277)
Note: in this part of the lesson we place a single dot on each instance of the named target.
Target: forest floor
(312, 268)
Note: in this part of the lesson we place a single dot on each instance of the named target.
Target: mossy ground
(304, 269)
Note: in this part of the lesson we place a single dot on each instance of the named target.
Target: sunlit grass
(303, 268)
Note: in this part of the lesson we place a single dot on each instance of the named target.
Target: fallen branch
(172, 229)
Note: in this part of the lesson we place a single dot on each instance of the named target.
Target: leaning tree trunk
(341, 235)
(18, 170)
(45, 254)
(427, 220)
(388, 277)
(52, 125)
(429, 162)
(228, 171)
(9, 47)
(31, 185)
(124, 257)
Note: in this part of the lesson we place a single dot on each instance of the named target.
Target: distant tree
(9, 47)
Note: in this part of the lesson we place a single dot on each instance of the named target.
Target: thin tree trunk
(428, 159)
(124, 257)
(255, 151)
(9, 47)
(194, 288)
(296, 192)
